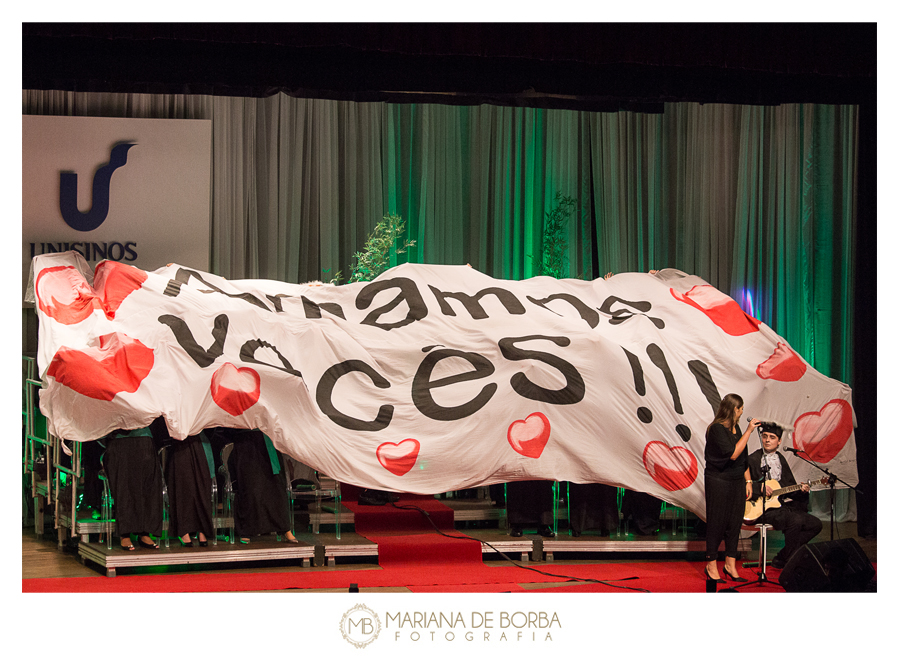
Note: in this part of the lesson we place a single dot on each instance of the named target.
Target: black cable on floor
(609, 583)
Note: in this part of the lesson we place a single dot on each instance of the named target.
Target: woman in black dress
(643, 510)
(189, 477)
(727, 481)
(261, 500)
(135, 481)
(529, 504)
(593, 507)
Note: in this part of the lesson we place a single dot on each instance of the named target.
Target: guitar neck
(793, 487)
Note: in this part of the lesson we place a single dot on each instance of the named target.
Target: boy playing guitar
(785, 509)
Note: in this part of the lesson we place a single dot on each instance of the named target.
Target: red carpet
(424, 549)
(406, 537)
(663, 577)
(401, 516)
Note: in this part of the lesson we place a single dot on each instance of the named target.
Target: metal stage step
(658, 544)
(114, 558)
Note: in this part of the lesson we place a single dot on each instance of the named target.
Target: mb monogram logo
(360, 626)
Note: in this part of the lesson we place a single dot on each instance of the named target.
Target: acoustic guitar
(754, 508)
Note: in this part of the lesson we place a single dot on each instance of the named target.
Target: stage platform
(266, 548)
(477, 518)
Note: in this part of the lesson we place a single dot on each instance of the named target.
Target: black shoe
(546, 531)
(576, 533)
(777, 563)
(737, 579)
(720, 581)
(515, 532)
(149, 543)
(186, 544)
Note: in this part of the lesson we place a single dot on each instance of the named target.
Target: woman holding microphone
(727, 481)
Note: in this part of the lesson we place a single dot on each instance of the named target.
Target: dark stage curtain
(759, 201)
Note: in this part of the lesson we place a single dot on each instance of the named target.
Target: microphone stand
(832, 479)
(761, 574)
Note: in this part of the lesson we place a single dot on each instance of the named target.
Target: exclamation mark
(706, 383)
(643, 413)
(659, 360)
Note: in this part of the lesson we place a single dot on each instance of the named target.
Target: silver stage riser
(224, 552)
(569, 545)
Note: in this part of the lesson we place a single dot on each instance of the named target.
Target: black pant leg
(735, 517)
(715, 516)
(724, 513)
(798, 529)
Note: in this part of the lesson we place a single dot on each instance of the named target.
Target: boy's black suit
(791, 518)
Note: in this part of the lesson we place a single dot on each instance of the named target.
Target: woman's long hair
(725, 415)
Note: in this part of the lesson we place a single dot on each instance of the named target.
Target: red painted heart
(720, 308)
(235, 389)
(118, 365)
(398, 458)
(672, 468)
(114, 281)
(823, 434)
(784, 365)
(64, 295)
(529, 437)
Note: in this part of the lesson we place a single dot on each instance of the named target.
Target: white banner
(433, 378)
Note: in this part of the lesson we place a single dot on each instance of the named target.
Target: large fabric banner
(433, 378)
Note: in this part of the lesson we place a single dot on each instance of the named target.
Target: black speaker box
(828, 566)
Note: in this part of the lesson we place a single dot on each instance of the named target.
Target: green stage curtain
(757, 200)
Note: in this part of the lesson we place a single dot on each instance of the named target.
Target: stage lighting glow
(747, 302)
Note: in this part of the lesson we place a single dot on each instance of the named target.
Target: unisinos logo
(68, 192)
(360, 626)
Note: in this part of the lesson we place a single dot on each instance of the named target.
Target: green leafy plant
(375, 257)
(335, 280)
(554, 243)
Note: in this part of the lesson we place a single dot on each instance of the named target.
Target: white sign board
(135, 191)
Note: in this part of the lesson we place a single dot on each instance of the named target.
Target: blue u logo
(68, 192)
